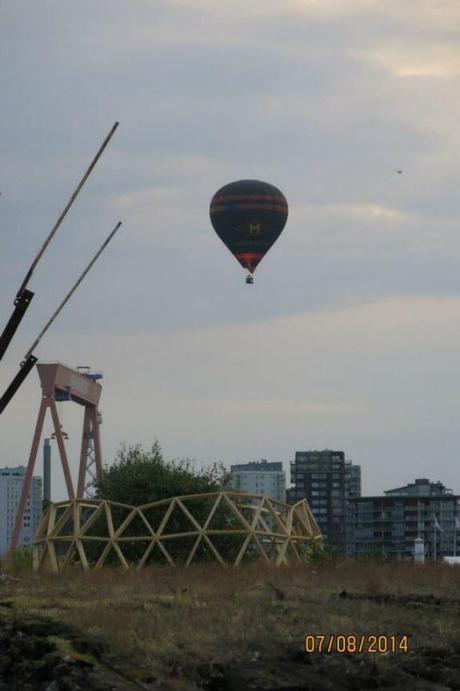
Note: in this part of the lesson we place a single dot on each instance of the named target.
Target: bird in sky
(399, 171)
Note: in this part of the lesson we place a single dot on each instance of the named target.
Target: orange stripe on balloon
(249, 255)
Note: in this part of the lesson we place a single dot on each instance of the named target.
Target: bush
(140, 477)
(21, 559)
(322, 554)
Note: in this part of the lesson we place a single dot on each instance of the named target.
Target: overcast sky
(350, 337)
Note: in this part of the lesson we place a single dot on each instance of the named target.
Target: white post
(419, 550)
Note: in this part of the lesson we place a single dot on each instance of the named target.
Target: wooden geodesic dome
(225, 527)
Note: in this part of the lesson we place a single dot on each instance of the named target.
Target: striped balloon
(248, 216)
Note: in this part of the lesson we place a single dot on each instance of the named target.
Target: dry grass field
(221, 629)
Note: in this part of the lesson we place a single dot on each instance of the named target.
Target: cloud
(416, 59)
(359, 211)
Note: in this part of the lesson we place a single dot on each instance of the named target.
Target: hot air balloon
(248, 216)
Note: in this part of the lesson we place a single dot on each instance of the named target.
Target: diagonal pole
(24, 296)
(66, 209)
(71, 292)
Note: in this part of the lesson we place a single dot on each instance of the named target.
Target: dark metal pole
(21, 305)
(26, 367)
(46, 473)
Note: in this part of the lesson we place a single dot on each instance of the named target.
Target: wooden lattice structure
(226, 527)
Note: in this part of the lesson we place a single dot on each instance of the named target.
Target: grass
(178, 619)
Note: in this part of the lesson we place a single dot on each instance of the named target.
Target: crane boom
(66, 209)
(71, 292)
(24, 296)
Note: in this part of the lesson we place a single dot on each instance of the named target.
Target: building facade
(420, 487)
(352, 479)
(259, 477)
(389, 525)
(327, 481)
(11, 481)
(352, 491)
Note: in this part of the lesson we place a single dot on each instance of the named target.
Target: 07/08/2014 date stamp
(351, 643)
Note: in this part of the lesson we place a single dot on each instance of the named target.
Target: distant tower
(46, 473)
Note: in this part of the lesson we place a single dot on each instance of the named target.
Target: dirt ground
(232, 630)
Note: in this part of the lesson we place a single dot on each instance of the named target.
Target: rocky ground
(37, 654)
(42, 648)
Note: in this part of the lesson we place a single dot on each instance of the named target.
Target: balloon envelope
(248, 216)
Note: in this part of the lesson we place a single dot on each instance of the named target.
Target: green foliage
(322, 554)
(140, 477)
(22, 558)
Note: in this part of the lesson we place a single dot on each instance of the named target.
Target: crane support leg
(97, 443)
(90, 456)
(62, 453)
(84, 453)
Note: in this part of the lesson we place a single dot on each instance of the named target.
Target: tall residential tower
(11, 482)
(328, 482)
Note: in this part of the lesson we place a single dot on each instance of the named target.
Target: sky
(349, 337)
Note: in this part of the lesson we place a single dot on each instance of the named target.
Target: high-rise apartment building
(259, 477)
(352, 479)
(327, 481)
(389, 525)
(11, 481)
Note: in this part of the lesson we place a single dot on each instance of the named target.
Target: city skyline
(286, 466)
(349, 336)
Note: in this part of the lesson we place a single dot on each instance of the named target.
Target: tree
(139, 477)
